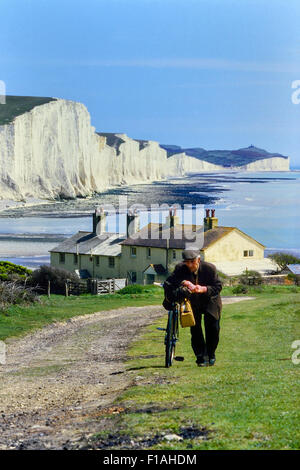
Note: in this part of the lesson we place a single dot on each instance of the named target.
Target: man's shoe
(201, 362)
(212, 361)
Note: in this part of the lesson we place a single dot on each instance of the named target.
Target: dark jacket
(209, 302)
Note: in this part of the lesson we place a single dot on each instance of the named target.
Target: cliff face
(268, 164)
(53, 151)
(235, 159)
(48, 152)
(180, 164)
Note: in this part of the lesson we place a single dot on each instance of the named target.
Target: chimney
(99, 221)
(133, 223)
(210, 221)
(172, 219)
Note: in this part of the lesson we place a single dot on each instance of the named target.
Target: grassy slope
(248, 400)
(17, 105)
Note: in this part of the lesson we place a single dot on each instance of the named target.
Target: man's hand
(189, 285)
(194, 288)
(200, 289)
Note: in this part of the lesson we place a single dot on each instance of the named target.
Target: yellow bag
(186, 314)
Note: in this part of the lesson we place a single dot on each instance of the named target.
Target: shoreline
(6, 204)
(32, 202)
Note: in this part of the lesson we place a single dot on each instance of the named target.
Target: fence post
(48, 290)
(66, 289)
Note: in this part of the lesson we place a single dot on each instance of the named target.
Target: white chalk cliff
(53, 151)
(268, 164)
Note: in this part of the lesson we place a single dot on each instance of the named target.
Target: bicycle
(172, 333)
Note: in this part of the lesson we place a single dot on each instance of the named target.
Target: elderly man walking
(198, 281)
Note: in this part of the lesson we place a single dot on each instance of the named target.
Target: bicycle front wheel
(170, 340)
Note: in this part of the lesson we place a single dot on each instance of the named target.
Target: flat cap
(190, 254)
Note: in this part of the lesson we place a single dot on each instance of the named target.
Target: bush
(131, 289)
(292, 277)
(222, 275)
(57, 277)
(226, 280)
(240, 289)
(11, 293)
(10, 271)
(250, 277)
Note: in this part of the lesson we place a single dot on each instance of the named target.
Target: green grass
(17, 320)
(248, 400)
(17, 105)
(263, 289)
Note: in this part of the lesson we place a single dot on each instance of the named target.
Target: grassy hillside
(248, 400)
(226, 158)
(17, 105)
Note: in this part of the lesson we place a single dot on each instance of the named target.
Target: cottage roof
(85, 243)
(153, 235)
(156, 235)
(155, 269)
(294, 268)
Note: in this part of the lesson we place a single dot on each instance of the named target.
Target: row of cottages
(148, 254)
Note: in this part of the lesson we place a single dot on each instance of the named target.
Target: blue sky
(197, 73)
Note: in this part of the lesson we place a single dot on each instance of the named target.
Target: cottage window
(133, 276)
(111, 261)
(251, 253)
(76, 259)
(62, 258)
(246, 253)
(133, 251)
(174, 254)
(97, 260)
(148, 252)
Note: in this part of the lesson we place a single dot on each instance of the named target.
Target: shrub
(222, 275)
(10, 271)
(240, 289)
(224, 278)
(250, 277)
(292, 277)
(131, 289)
(11, 293)
(57, 277)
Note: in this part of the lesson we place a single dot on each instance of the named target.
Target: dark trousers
(205, 347)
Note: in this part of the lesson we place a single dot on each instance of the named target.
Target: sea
(264, 205)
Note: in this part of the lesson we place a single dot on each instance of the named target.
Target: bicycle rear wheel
(170, 340)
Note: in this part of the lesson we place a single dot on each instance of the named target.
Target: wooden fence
(76, 287)
(94, 286)
(106, 286)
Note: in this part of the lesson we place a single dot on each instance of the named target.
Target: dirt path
(58, 381)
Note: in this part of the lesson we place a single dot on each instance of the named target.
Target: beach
(260, 204)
